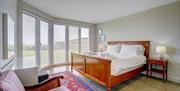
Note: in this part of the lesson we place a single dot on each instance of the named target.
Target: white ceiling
(94, 11)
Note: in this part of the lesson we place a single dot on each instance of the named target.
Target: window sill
(5, 62)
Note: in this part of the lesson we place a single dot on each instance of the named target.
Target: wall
(35, 11)
(9, 7)
(1, 24)
(159, 25)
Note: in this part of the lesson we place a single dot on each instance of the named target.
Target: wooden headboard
(146, 45)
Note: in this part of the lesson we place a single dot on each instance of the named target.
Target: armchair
(10, 82)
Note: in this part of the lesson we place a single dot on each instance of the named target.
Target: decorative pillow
(113, 48)
(140, 50)
(132, 50)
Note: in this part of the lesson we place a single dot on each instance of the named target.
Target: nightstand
(163, 63)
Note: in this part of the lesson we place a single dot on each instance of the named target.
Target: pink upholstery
(10, 82)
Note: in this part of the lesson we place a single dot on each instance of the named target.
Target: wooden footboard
(99, 69)
(96, 68)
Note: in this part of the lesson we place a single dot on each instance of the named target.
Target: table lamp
(161, 50)
(102, 47)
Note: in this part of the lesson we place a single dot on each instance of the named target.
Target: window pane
(73, 40)
(99, 31)
(28, 41)
(44, 43)
(59, 44)
(10, 37)
(84, 40)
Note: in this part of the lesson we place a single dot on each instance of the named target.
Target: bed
(100, 70)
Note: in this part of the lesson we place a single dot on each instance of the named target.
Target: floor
(139, 83)
(142, 83)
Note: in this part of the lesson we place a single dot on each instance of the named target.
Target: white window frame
(51, 38)
(79, 36)
(37, 38)
(66, 41)
(4, 38)
(89, 37)
(41, 19)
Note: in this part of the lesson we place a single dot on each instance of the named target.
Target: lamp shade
(161, 49)
(102, 46)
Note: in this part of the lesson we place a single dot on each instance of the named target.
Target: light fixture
(161, 50)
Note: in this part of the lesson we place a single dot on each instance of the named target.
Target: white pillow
(140, 50)
(132, 50)
(113, 48)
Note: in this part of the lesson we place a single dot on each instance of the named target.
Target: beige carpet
(139, 83)
(142, 83)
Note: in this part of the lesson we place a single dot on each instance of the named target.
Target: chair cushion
(10, 82)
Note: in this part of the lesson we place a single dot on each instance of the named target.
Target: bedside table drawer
(154, 62)
(157, 62)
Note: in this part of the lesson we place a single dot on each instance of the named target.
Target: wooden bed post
(108, 83)
(71, 63)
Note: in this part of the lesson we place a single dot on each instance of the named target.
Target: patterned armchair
(10, 82)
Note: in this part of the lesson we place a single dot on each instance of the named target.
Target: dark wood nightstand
(163, 63)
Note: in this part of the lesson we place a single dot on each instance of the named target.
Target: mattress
(125, 70)
(124, 63)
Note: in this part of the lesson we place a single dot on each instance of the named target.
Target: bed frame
(98, 69)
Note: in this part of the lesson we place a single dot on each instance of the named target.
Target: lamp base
(161, 57)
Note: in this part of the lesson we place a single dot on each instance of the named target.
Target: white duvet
(121, 62)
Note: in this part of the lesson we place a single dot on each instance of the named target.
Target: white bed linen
(123, 62)
(126, 70)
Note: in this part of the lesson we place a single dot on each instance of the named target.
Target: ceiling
(94, 11)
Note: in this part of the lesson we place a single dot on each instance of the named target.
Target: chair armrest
(46, 85)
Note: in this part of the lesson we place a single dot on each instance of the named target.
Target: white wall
(159, 25)
(1, 35)
(35, 11)
(9, 7)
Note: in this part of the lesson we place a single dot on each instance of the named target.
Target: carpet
(73, 82)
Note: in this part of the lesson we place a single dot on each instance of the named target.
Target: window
(36, 36)
(59, 43)
(44, 27)
(29, 41)
(84, 40)
(73, 40)
(100, 31)
(7, 37)
(10, 31)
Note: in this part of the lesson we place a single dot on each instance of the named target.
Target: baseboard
(174, 79)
